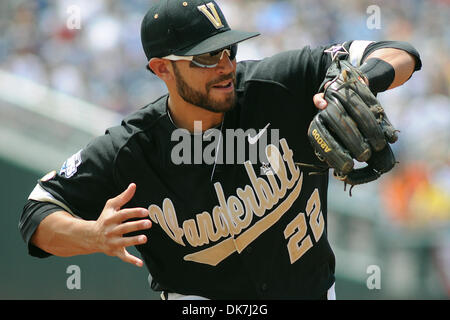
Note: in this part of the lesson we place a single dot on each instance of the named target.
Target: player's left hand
(319, 101)
(319, 98)
(351, 125)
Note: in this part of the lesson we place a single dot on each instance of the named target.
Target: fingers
(112, 227)
(129, 242)
(123, 198)
(319, 101)
(131, 227)
(123, 242)
(121, 252)
(125, 256)
(127, 214)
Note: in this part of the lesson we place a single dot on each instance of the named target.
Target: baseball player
(232, 227)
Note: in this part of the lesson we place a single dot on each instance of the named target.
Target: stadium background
(61, 86)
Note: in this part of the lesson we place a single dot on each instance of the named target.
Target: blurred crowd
(100, 60)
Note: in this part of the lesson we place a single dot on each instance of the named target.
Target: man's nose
(225, 65)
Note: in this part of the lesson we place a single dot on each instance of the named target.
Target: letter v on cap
(212, 16)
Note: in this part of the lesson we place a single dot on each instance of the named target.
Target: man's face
(212, 89)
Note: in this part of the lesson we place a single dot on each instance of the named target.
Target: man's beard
(203, 100)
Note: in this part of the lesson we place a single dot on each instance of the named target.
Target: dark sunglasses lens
(233, 50)
(213, 58)
(205, 59)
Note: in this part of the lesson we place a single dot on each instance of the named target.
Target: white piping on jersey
(41, 195)
(356, 51)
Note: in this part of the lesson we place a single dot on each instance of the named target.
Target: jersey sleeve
(300, 72)
(81, 187)
(85, 181)
(32, 215)
(322, 57)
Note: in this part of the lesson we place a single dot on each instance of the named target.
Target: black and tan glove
(353, 126)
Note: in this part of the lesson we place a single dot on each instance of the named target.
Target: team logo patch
(69, 167)
(336, 50)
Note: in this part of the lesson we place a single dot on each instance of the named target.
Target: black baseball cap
(187, 28)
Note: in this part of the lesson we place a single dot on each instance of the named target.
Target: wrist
(380, 74)
(89, 237)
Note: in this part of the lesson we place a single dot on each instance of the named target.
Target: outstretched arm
(62, 234)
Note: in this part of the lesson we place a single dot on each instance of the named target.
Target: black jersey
(250, 229)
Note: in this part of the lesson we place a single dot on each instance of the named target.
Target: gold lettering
(248, 197)
(154, 212)
(316, 220)
(212, 16)
(213, 255)
(275, 187)
(320, 141)
(156, 215)
(191, 233)
(234, 214)
(262, 189)
(205, 226)
(265, 223)
(275, 159)
(170, 217)
(288, 157)
(298, 242)
(216, 253)
(236, 210)
(225, 210)
(220, 222)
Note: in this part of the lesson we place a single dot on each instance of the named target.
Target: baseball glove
(353, 126)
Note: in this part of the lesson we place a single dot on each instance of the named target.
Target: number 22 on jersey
(296, 231)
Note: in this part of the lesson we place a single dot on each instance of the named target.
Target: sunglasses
(207, 60)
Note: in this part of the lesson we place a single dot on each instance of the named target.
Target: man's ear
(160, 68)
